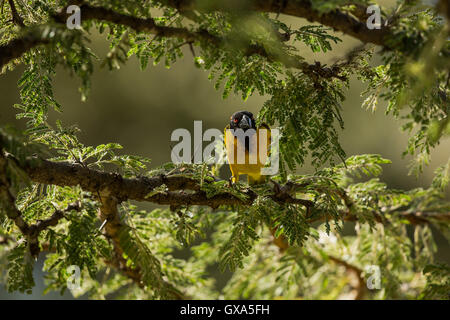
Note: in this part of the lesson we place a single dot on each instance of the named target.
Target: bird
(247, 141)
(244, 120)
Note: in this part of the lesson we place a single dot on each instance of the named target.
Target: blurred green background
(140, 109)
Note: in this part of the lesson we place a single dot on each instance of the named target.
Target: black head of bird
(242, 120)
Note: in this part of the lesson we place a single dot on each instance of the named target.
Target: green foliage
(316, 37)
(438, 284)
(416, 77)
(137, 254)
(240, 242)
(37, 93)
(20, 270)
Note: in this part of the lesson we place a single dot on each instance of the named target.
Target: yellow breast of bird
(248, 160)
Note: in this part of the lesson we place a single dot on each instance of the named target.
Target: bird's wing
(269, 138)
(227, 145)
(225, 136)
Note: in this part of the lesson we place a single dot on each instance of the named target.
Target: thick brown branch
(19, 46)
(148, 25)
(182, 190)
(71, 174)
(335, 19)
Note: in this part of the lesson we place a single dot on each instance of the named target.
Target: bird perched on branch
(248, 140)
(245, 138)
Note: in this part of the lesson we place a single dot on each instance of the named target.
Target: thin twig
(16, 18)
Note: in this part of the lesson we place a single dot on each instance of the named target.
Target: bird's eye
(235, 120)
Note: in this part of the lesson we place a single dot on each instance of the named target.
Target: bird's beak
(245, 123)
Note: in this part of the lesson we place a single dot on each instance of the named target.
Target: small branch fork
(359, 285)
(30, 231)
(16, 18)
(108, 212)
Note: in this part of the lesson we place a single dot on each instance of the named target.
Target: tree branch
(359, 284)
(108, 212)
(30, 232)
(16, 18)
(140, 189)
(19, 46)
(114, 226)
(148, 25)
(106, 183)
(335, 19)
(55, 217)
(8, 200)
